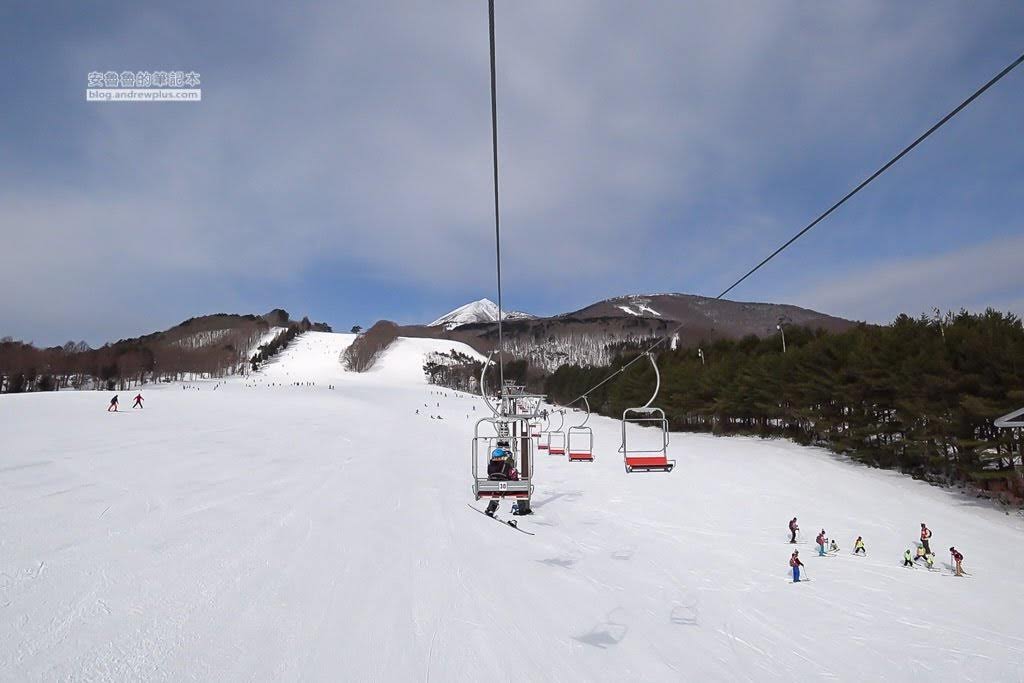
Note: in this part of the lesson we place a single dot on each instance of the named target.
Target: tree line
(918, 395)
(209, 346)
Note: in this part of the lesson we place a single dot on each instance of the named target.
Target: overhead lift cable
(497, 222)
(906, 150)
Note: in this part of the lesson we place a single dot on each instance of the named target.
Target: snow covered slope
(316, 357)
(259, 530)
(481, 311)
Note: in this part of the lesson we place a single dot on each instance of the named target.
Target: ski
(510, 524)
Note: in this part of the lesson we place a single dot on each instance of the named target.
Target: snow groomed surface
(265, 531)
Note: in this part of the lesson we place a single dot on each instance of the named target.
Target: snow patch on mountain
(481, 311)
(641, 305)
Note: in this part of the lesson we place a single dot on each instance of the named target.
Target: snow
(267, 337)
(481, 311)
(648, 309)
(641, 307)
(253, 529)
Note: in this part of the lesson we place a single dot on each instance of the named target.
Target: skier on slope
(858, 546)
(113, 404)
(921, 554)
(138, 400)
(795, 563)
(794, 528)
(833, 548)
(958, 558)
(908, 558)
(929, 560)
(820, 540)
(926, 534)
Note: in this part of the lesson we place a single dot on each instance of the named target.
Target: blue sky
(339, 163)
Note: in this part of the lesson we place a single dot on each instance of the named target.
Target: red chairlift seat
(646, 459)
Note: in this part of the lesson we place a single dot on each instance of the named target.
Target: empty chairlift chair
(556, 437)
(645, 457)
(544, 436)
(580, 440)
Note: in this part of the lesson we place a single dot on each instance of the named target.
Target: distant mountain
(481, 311)
(590, 335)
(713, 317)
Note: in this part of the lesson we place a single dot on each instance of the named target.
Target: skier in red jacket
(138, 400)
(958, 558)
(793, 529)
(926, 534)
(795, 563)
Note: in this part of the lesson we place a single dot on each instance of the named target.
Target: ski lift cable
(906, 150)
(497, 222)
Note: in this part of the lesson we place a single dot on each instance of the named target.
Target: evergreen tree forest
(918, 395)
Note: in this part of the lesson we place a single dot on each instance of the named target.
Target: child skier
(958, 558)
(795, 563)
(858, 546)
(794, 528)
(908, 559)
(138, 400)
(921, 554)
(833, 548)
(113, 404)
(929, 560)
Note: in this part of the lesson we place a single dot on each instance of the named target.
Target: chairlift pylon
(508, 430)
(580, 439)
(647, 459)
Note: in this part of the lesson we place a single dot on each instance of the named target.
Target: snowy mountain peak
(480, 311)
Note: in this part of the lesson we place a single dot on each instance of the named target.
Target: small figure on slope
(795, 563)
(926, 534)
(833, 548)
(908, 558)
(820, 540)
(138, 400)
(958, 559)
(929, 560)
(858, 546)
(794, 528)
(113, 404)
(921, 554)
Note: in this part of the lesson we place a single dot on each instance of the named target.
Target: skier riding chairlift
(501, 467)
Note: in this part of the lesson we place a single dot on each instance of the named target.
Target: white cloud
(359, 134)
(988, 274)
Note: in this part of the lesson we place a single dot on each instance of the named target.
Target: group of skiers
(923, 554)
(112, 408)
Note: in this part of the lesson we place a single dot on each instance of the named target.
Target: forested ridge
(918, 395)
(207, 346)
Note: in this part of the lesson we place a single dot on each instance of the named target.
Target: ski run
(306, 523)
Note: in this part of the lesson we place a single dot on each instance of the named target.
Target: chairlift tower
(509, 427)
